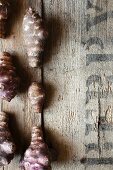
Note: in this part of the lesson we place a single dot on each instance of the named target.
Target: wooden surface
(78, 77)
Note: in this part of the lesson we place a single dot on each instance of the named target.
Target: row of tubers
(34, 31)
(36, 157)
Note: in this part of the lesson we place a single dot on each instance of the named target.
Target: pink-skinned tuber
(36, 157)
(35, 34)
(4, 17)
(7, 146)
(36, 97)
(8, 78)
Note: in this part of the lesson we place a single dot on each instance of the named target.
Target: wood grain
(78, 29)
(78, 76)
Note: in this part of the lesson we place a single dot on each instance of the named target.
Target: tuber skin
(4, 16)
(35, 34)
(8, 78)
(36, 97)
(7, 146)
(36, 156)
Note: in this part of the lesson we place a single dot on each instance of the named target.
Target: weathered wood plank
(63, 76)
(78, 80)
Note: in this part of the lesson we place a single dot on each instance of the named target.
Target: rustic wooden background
(77, 73)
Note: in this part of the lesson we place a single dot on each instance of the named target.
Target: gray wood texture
(77, 74)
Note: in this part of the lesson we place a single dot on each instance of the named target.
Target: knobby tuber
(8, 78)
(7, 146)
(35, 34)
(4, 16)
(36, 97)
(36, 156)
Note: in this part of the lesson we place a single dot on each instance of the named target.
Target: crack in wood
(99, 122)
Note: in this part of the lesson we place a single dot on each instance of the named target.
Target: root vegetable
(35, 34)
(8, 77)
(36, 97)
(7, 146)
(36, 156)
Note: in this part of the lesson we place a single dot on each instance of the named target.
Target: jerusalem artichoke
(35, 35)
(36, 97)
(8, 78)
(36, 156)
(4, 15)
(7, 147)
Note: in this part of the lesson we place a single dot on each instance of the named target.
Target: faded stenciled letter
(92, 4)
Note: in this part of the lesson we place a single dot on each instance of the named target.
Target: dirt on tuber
(36, 96)
(7, 146)
(9, 80)
(36, 156)
(35, 34)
